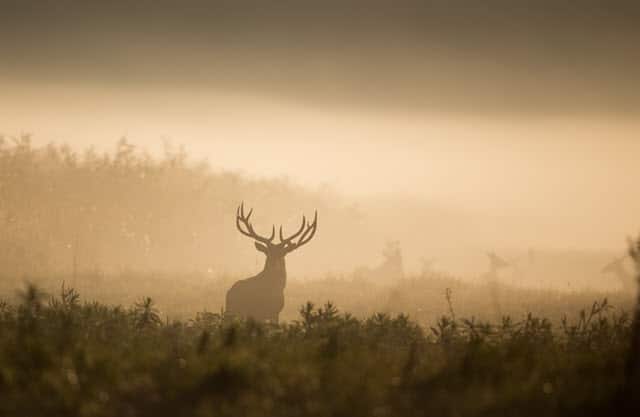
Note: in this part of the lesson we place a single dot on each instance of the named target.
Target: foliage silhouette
(67, 357)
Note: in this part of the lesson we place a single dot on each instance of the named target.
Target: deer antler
(296, 234)
(308, 230)
(241, 218)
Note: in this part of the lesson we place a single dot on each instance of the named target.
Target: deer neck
(275, 271)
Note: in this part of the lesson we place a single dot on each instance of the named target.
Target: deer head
(267, 245)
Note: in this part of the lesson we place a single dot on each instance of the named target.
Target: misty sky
(511, 108)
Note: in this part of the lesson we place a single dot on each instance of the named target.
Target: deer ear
(262, 248)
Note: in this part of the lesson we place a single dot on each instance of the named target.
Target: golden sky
(492, 107)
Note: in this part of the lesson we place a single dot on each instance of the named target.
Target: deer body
(496, 263)
(261, 297)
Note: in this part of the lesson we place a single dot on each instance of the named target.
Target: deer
(261, 297)
(496, 264)
(390, 269)
(626, 278)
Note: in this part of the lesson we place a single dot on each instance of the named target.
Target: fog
(564, 174)
(453, 129)
(315, 208)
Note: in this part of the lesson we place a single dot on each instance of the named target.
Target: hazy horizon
(317, 208)
(570, 173)
(524, 119)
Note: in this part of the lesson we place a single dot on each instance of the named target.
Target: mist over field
(450, 144)
(467, 173)
(84, 210)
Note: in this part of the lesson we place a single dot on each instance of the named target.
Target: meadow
(421, 297)
(62, 356)
(114, 273)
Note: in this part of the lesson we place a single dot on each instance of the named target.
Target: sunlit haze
(577, 169)
(518, 131)
(319, 208)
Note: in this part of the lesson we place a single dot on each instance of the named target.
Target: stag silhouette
(262, 297)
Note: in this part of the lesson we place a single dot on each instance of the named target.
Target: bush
(67, 358)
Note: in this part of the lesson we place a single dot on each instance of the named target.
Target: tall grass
(60, 356)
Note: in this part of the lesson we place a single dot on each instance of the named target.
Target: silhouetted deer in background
(390, 270)
(262, 297)
(496, 263)
(616, 268)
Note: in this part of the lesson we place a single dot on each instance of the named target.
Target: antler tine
(240, 218)
(309, 232)
(250, 232)
(312, 226)
(296, 234)
(242, 212)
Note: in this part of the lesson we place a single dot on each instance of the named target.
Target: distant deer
(496, 263)
(262, 297)
(390, 269)
(522, 266)
(616, 268)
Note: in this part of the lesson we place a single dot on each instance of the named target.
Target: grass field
(61, 356)
(136, 344)
(420, 297)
